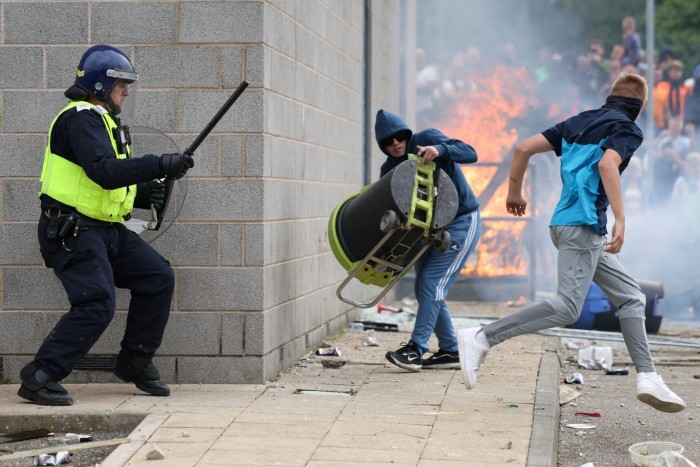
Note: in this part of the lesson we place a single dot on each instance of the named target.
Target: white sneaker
(652, 390)
(471, 354)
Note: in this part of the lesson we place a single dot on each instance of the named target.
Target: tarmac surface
(623, 420)
(351, 409)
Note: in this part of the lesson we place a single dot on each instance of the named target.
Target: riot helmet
(100, 67)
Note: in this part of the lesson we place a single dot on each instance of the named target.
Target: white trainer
(652, 390)
(471, 354)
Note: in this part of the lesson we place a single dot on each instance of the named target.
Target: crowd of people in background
(581, 82)
(664, 175)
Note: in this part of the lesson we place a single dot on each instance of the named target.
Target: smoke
(446, 27)
(662, 243)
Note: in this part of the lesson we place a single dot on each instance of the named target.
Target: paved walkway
(366, 412)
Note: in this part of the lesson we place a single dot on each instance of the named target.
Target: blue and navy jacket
(452, 153)
(580, 142)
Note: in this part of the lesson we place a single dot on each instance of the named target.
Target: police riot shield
(146, 140)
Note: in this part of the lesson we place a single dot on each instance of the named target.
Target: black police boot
(38, 387)
(142, 372)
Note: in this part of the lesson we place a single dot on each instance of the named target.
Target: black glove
(175, 165)
(150, 193)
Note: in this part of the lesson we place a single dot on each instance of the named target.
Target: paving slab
(366, 412)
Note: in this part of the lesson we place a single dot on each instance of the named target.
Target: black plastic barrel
(358, 222)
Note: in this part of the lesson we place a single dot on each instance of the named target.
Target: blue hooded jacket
(452, 153)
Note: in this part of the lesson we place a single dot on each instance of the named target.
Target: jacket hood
(387, 124)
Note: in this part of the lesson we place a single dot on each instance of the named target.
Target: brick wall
(255, 276)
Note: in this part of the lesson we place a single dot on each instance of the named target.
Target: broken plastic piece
(328, 351)
(370, 341)
(618, 371)
(595, 358)
(574, 378)
(61, 457)
(581, 426)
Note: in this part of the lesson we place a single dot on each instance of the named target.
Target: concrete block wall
(255, 276)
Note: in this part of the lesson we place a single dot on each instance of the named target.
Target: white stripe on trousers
(442, 283)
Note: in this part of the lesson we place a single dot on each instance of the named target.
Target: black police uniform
(102, 255)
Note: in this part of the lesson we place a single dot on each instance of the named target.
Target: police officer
(89, 185)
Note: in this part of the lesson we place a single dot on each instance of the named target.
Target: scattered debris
(588, 414)
(370, 341)
(581, 426)
(618, 371)
(615, 337)
(508, 445)
(378, 326)
(383, 308)
(328, 351)
(73, 447)
(649, 453)
(155, 454)
(61, 457)
(575, 344)
(81, 438)
(332, 363)
(322, 392)
(567, 394)
(574, 378)
(595, 358)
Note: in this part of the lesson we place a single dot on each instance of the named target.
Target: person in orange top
(669, 96)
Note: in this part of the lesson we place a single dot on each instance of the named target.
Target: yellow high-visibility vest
(68, 183)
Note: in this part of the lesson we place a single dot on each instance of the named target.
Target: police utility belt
(61, 222)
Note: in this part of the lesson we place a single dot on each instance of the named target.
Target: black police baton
(159, 214)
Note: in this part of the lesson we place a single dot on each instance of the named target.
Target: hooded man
(435, 272)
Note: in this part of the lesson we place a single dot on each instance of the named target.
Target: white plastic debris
(581, 426)
(595, 358)
(61, 457)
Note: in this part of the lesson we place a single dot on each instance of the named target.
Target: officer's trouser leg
(86, 275)
(148, 275)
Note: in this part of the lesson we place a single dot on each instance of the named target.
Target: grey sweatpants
(580, 260)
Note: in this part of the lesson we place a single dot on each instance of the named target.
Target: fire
(485, 119)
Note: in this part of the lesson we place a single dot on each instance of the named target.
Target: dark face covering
(631, 106)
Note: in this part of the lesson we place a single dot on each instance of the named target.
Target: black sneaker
(407, 357)
(41, 392)
(142, 372)
(442, 360)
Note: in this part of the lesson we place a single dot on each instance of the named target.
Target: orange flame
(483, 118)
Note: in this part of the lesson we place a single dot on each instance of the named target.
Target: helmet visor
(129, 76)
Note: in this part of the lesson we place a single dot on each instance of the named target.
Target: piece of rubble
(155, 454)
(332, 363)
